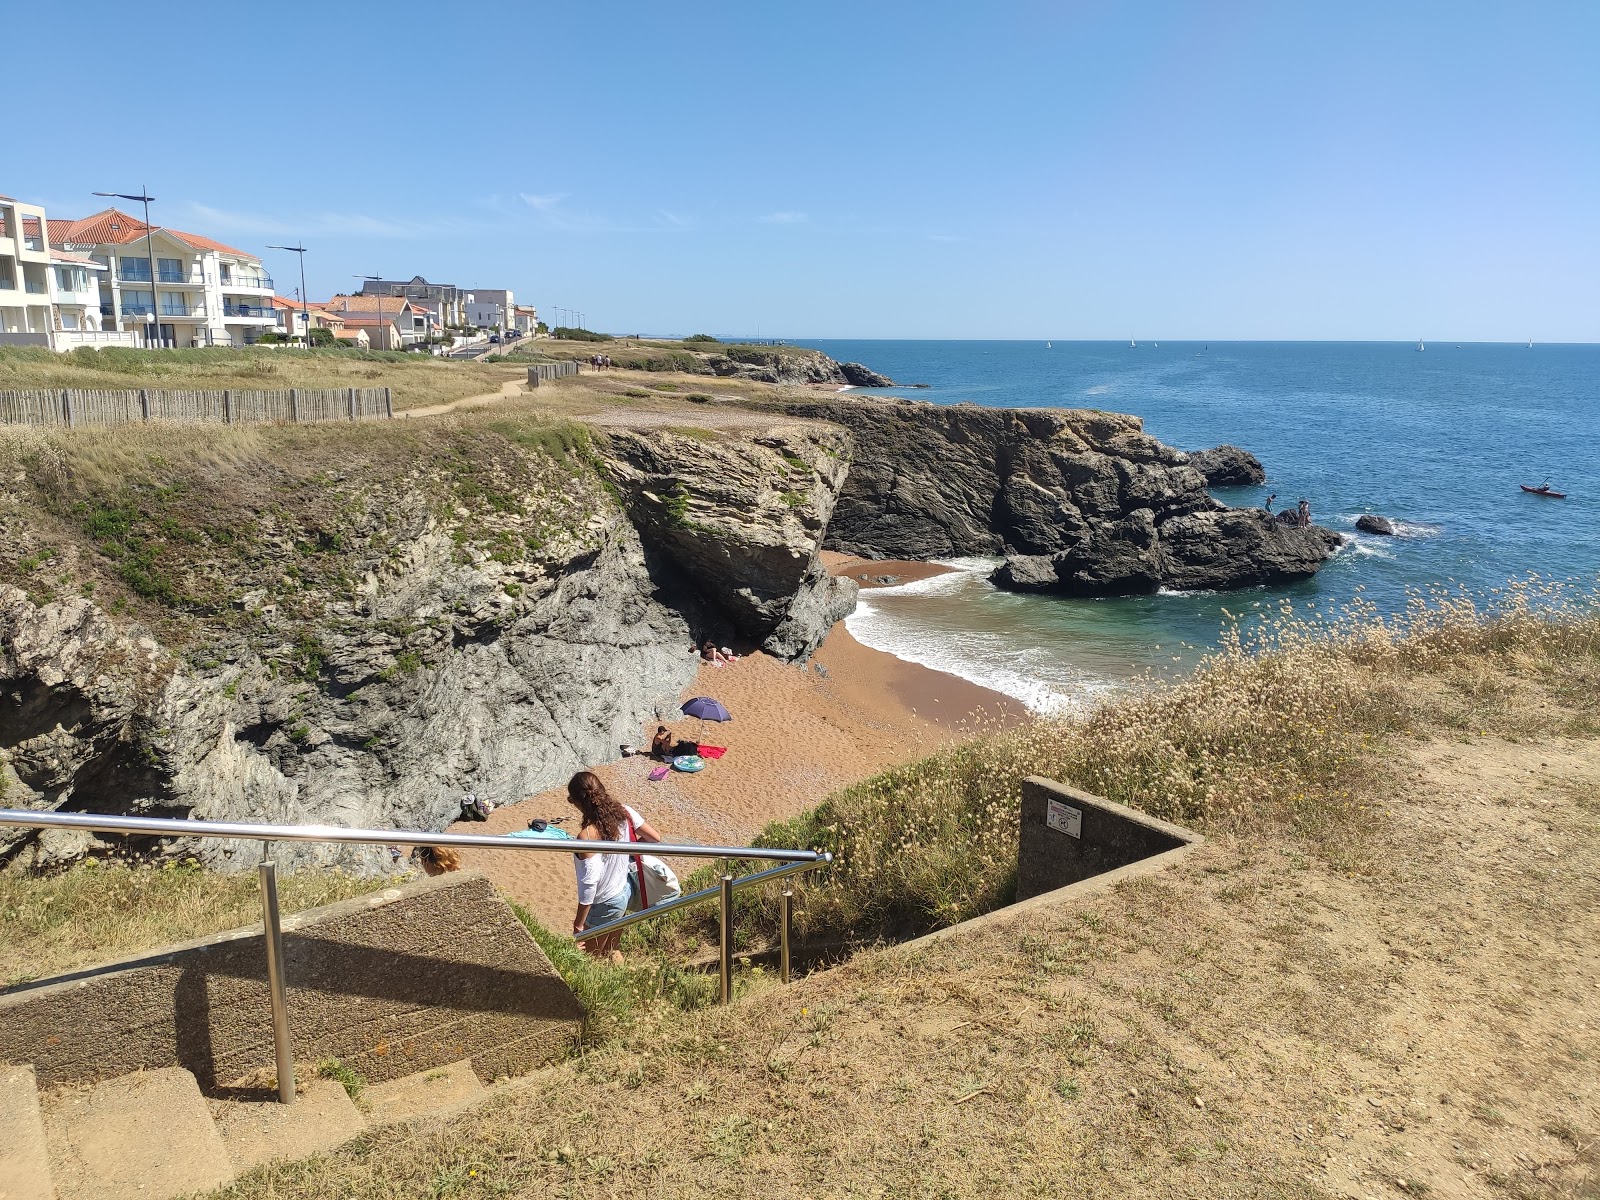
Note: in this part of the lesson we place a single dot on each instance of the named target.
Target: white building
(48, 296)
(25, 317)
(179, 289)
(491, 308)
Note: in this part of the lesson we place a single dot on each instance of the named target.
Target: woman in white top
(604, 884)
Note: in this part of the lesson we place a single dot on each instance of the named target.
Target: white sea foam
(915, 623)
(1097, 390)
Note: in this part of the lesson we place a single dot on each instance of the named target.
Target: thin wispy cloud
(541, 202)
(325, 224)
(784, 218)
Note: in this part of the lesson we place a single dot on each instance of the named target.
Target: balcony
(178, 277)
(36, 288)
(247, 283)
(248, 310)
(141, 308)
(127, 274)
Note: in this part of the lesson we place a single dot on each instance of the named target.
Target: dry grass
(1256, 1022)
(415, 379)
(98, 912)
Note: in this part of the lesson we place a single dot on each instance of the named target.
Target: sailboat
(1420, 346)
(1530, 343)
(1047, 345)
(1133, 343)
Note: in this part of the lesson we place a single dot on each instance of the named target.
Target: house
(353, 336)
(292, 317)
(380, 314)
(181, 289)
(49, 296)
(526, 318)
(448, 297)
(491, 308)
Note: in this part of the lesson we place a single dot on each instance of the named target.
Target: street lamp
(149, 252)
(305, 311)
(376, 279)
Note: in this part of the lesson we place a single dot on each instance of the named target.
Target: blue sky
(1170, 170)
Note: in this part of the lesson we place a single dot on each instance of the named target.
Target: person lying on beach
(712, 655)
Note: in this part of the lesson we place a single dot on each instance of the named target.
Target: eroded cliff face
(741, 517)
(1080, 501)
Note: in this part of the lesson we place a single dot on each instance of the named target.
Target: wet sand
(796, 735)
(881, 572)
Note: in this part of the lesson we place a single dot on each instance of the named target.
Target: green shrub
(702, 337)
(582, 335)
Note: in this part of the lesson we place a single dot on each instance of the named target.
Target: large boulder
(1370, 523)
(859, 376)
(1228, 466)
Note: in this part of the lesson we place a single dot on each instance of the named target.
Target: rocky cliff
(1082, 502)
(357, 626)
(741, 518)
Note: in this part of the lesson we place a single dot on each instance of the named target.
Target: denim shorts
(602, 911)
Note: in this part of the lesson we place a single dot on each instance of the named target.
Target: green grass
(353, 1083)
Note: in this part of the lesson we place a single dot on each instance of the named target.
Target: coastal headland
(363, 624)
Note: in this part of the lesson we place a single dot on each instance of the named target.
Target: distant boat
(1047, 345)
(1530, 343)
(1544, 489)
(1420, 346)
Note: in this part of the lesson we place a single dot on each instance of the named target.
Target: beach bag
(660, 884)
(660, 773)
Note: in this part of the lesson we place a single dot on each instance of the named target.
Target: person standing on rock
(1305, 514)
(605, 885)
(1267, 507)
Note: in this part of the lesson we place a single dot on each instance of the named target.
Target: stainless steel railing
(794, 862)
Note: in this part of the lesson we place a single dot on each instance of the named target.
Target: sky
(875, 170)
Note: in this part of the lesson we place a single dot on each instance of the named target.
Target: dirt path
(508, 390)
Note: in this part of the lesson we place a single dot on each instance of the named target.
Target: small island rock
(1368, 523)
(1228, 466)
(857, 375)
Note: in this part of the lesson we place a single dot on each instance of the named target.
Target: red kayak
(1543, 490)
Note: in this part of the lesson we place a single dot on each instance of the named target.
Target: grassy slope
(172, 525)
(415, 379)
(1378, 977)
(103, 911)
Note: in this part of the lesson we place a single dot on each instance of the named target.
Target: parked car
(494, 338)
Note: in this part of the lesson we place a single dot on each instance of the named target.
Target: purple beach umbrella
(706, 709)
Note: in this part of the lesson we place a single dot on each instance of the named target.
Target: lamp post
(149, 251)
(305, 310)
(378, 279)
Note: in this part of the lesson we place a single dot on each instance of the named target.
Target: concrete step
(149, 1134)
(259, 1130)
(439, 1092)
(24, 1155)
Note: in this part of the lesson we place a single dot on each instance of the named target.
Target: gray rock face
(778, 365)
(490, 694)
(742, 519)
(1370, 523)
(1081, 502)
(1228, 466)
(859, 376)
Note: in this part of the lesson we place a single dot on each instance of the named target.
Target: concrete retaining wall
(1067, 836)
(409, 979)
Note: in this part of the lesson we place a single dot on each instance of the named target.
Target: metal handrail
(794, 862)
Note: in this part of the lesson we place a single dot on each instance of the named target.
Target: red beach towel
(713, 751)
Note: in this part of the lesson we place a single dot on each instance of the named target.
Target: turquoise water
(1438, 440)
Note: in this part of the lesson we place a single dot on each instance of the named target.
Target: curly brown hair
(588, 795)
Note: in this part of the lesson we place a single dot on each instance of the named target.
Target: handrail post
(785, 928)
(273, 930)
(727, 939)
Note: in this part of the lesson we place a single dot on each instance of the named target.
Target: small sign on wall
(1063, 818)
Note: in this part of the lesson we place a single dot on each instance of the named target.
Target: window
(69, 320)
(171, 270)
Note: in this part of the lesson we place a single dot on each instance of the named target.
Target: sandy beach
(881, 572)
(796, 735)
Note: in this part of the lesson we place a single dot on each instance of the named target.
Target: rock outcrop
(1081, 502)
(1371, 523)
(779, 364)
(859, 376)
(742, 518)
(1228, 466)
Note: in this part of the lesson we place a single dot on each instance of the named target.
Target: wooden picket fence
(539, 372)
(102, 406)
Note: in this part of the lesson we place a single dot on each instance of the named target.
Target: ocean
(1437, 440)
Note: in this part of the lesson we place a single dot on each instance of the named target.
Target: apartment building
(491, 308)
(25, 316)
(178, 289)
(449, 299)
(527, 319)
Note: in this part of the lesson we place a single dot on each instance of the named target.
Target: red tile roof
(113, 227)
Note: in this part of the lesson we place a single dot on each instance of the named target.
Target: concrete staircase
(152, 1134)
